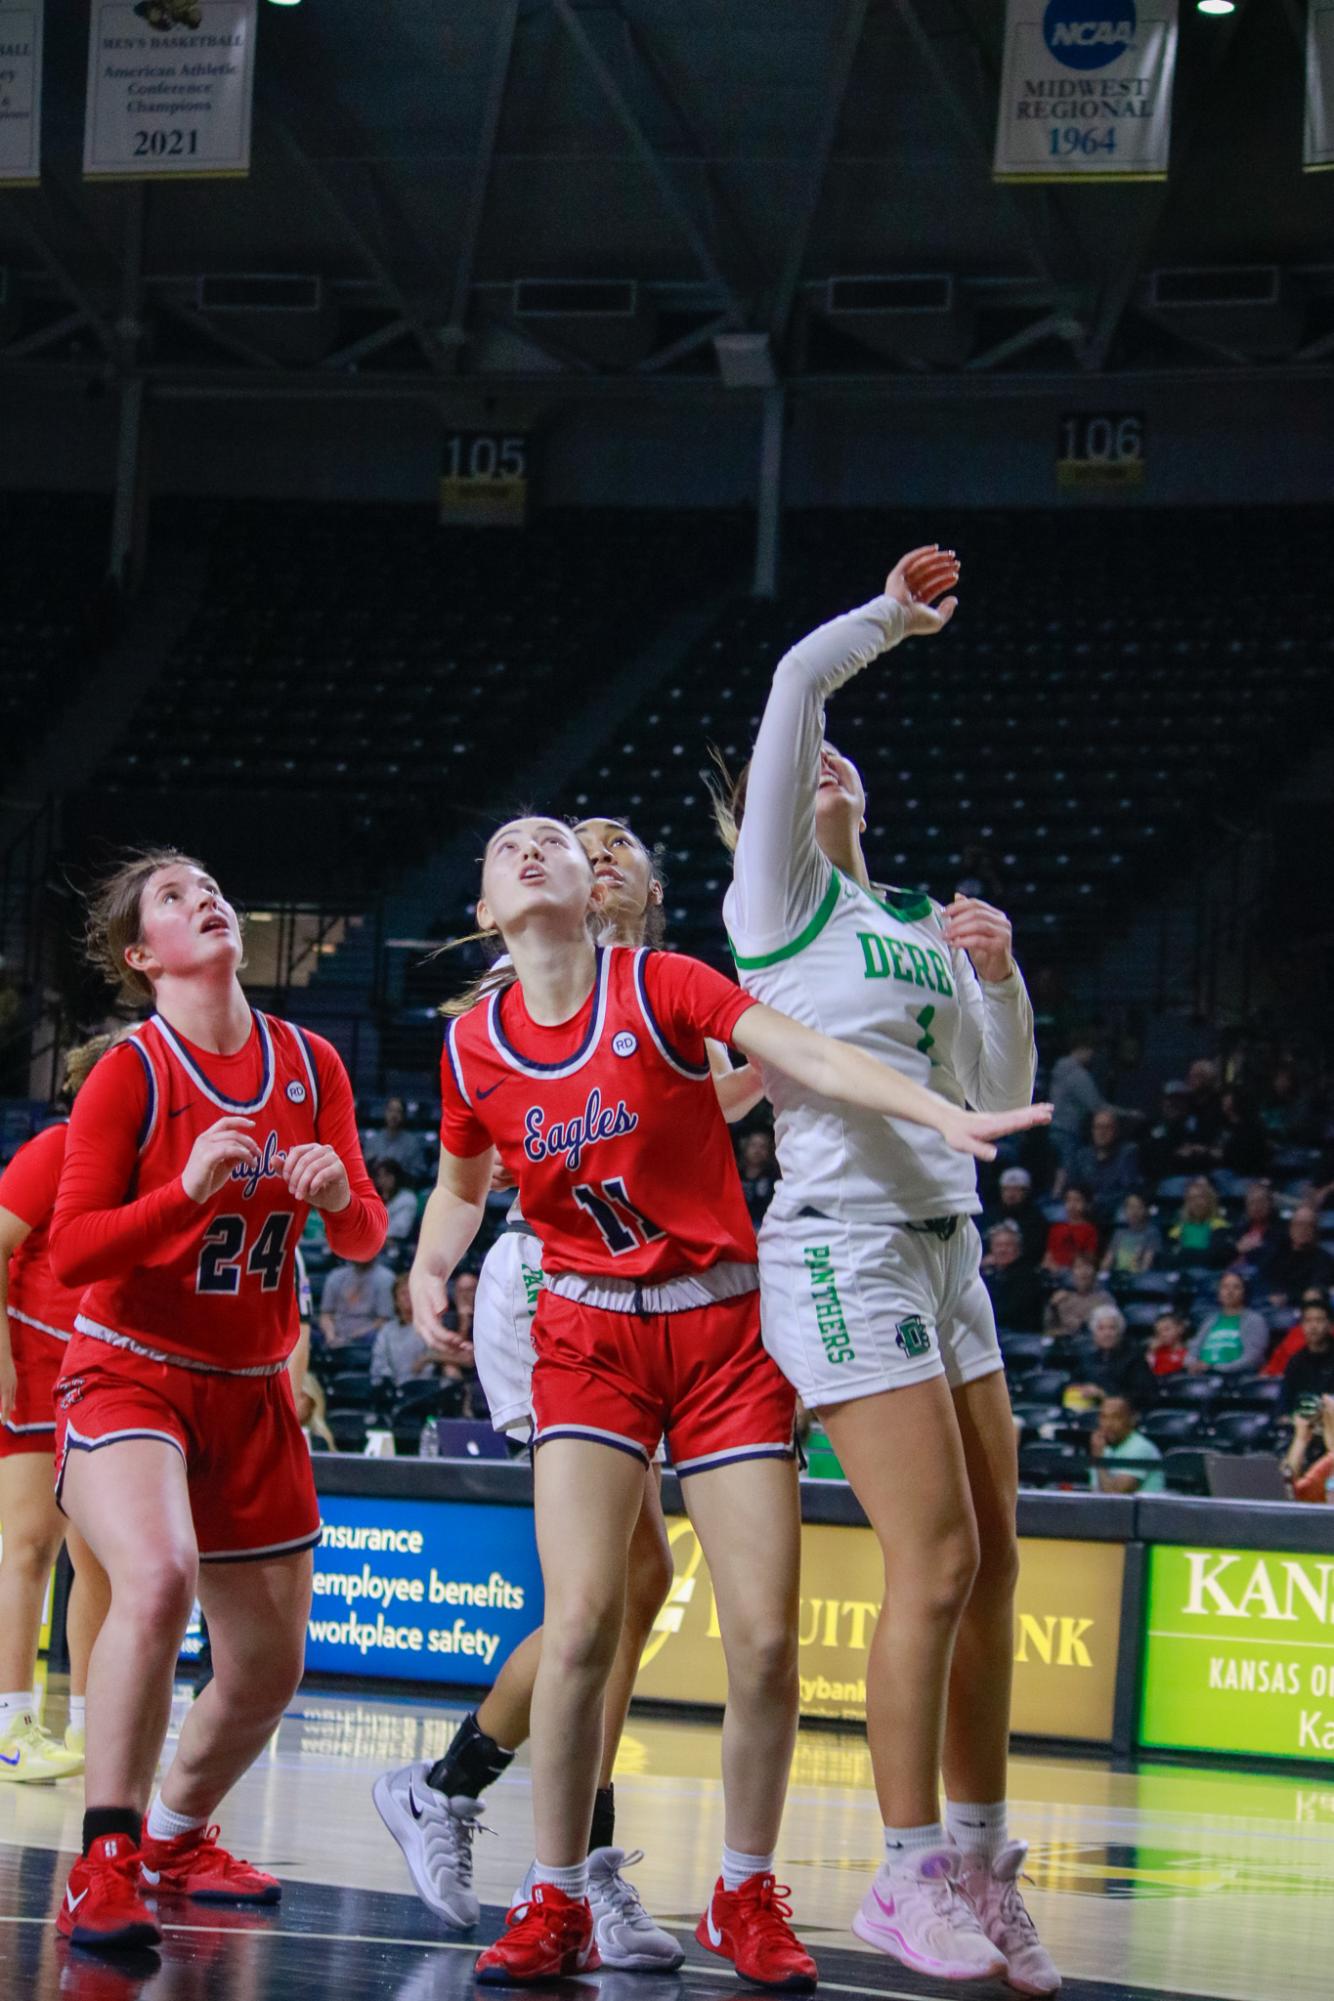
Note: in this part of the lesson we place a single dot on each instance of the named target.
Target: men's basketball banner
(1086, 90)
(1318, 144)
(170, 86)
(20, 94)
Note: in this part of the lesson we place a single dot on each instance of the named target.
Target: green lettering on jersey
(902, 970)
(924, 1016)
(921, 970)
(874, 954)
(943, 984)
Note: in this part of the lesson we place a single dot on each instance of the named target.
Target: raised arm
(780, 874)
(833, 1069)
(451, 1219)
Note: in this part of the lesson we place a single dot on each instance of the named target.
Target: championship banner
(1086, 90)
(1318, 144)
(170, 86)
(1066, 1640)
(20, 94)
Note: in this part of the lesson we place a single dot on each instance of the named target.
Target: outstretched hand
(917, 581)
(975, 1132)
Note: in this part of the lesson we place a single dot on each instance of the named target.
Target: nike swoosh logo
(412, 1802)
(150, 1875)
(715, 1936)
(74, 1901)
(181, 1108)
(888, 1909)
(490, 1088)
(4, 1760)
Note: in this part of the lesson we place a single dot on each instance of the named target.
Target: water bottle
(429, 1446)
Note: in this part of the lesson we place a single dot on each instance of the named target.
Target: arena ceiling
(725, 158)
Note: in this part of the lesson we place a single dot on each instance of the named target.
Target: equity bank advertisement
(1239, 1653)
(1067, 1631)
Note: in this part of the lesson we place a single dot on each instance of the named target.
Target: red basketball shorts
(247, 1464)
(38, 1360)
(702, 1378)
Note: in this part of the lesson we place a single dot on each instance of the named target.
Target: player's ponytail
(728, 796)
(79, 1061)
(498, 975)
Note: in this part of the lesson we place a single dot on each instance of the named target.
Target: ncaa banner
(20, 94)
(1086, 90)
(170, 86)
(1318, 145)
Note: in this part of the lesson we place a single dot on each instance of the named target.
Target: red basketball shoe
(102, 1905)
(548, 1936)
(749, 1926)
(193, 1865)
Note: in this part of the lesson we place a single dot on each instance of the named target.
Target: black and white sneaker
(435, 1835)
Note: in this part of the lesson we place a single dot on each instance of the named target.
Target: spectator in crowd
(1136, 1242)
(759, 1171)
(1075, 1236)
(355, 1301)
(400, 1355)
(398, 1199)
(1204, 1107)
(1199, 1237)
(1107, 1168)
(1109, 1363)
(1309, 1461)
(1311, 1373)
(408, 1150)
(1295, 1339)
(313, 1414)
(1261, 1233)
(1166, 1353)
(1118, 1447)
(1233, 1340)
(1073, 1304)
(1015, 1288)
(1243, 1144)
(1169, 1148)
(1018, 1206)
(1300, 1264)
(1075, 1098)
(1286, 1110)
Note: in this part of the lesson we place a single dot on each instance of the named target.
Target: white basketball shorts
(507, 1289)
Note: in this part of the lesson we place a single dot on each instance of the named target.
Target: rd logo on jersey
(914, 1337)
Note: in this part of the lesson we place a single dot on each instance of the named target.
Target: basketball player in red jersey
(36, 1320)
(195, 1152)
(590, 1076)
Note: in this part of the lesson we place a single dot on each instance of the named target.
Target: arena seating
(58, 608)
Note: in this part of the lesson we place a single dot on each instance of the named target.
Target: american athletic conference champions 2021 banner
(170, 86)
(20, 93)
(1318, 146)
(1086, 90)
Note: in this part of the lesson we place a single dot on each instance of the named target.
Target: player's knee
(28, 1556)
(650, 1581)
(997, 1576)
(763, 1657)
(581, 1636)
(160, 1590)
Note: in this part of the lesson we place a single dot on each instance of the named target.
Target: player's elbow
(64, 1255)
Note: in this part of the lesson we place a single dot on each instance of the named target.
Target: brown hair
(728, 795)
(79, 1062)
(115, 921)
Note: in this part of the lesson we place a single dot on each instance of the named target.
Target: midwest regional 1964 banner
(1086, 90)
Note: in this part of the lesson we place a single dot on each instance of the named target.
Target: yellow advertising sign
(1067, 1631)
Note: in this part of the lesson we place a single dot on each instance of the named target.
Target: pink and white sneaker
(992, 1888)
(916, 1911)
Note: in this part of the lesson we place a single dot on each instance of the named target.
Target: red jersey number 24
(224, 1253)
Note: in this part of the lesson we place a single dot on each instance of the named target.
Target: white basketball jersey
(875, 970)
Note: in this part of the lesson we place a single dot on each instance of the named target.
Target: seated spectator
(400, 1355)
(398, 1199)
(1261, 1233)
(1199, 1237)
(1309, 1460)
(1117, 1447)
(1072, 1305)
(356, 1299)
(1243, 1144)
(758, 1164)
(1015, 1288)
(1075, 1237)
(1017, 1205)
(1311, 1373)
(408, 1150)
(1075, 1097)
(1109, 1363)
(1294, 1340)
(1233, 1340)
(1300, 1264)
(313, 1414)
(1204, 1105)
(1107, 1169)
(1135, 1243)
(1166, 1352)
(1169, 1148)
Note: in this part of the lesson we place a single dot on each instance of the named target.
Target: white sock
(903, 1842)
(573, 1881)
(739, 1867)
(977, 1830)
(78, 1712)
(21, 1702)
(164, 1825)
